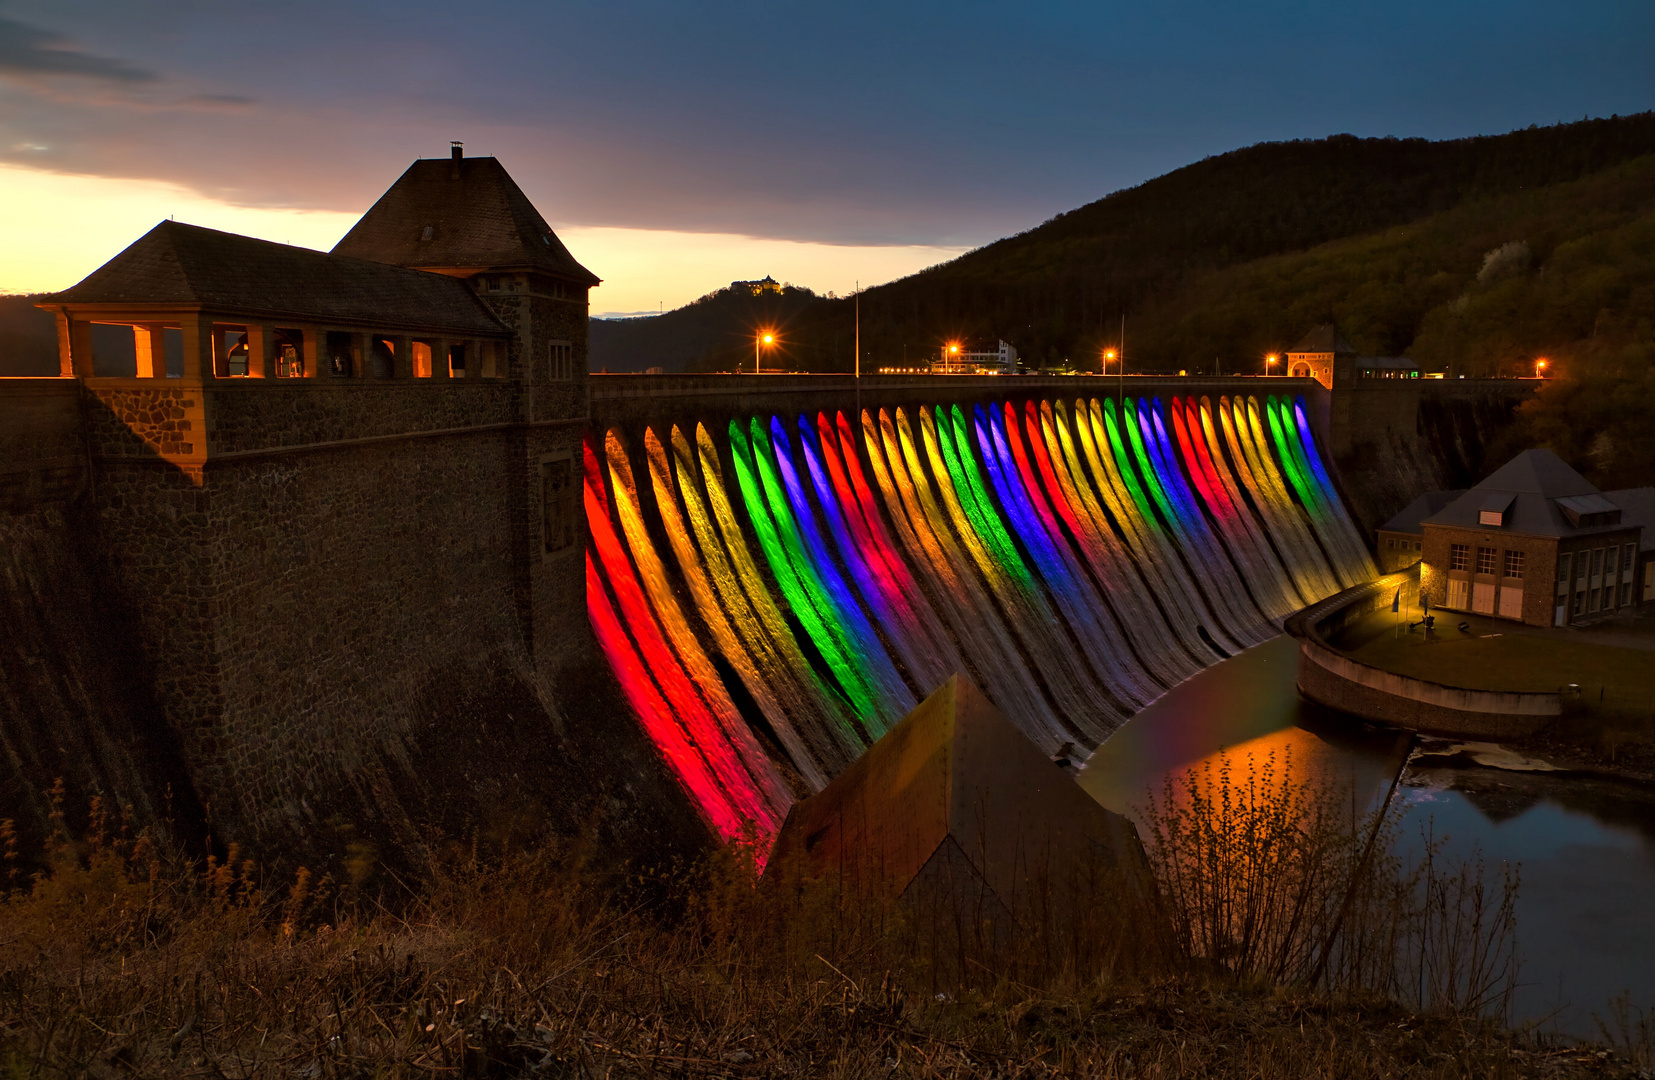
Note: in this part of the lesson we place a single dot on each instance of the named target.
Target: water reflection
(1586, 847)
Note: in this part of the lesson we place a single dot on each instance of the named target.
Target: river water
(1585, 847)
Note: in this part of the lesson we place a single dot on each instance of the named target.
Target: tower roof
(460, 213)
(191, 267)
(1326, 338)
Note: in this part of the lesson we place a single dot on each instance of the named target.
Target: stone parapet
(624, 400)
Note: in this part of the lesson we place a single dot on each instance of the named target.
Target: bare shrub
(1274, 879)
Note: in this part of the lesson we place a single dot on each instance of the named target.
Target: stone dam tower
(296, 537)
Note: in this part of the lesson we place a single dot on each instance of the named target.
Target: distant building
(1538, 543)
(1325, 355)
(766, 284)
(959, 358)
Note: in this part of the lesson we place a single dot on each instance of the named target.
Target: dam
(775, 578)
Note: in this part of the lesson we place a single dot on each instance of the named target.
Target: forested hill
(704, 335)
(1058, 291)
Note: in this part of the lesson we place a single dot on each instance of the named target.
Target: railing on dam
(777, 576)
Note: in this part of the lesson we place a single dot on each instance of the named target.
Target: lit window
(1459, 557)
(1485, 560)
(1514, 564)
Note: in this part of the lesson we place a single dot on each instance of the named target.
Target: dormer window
(1496, 505)
(1589, 511)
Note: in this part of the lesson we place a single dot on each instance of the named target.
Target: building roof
(188, 266)
(477, 217)
(1324, 339)
(1535, 481)
(1408, 521)
(1637, 507)
(954, 786)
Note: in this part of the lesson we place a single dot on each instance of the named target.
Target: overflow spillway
(774, 591)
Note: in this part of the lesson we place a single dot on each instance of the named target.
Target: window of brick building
(1580, 602)
(558, 517)
(1563, 568)
(1609, 559)
(1485, 560)
(1459, 556)
(1514, 564)
(1597, 561)
(1626, 593)
(1629, 557)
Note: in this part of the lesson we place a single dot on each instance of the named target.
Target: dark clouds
(30, 53)
(854, 122)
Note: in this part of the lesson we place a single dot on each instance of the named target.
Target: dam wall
(1392, 439)
(76, 698)
(334, 616)
(347, 615)
(778, 571)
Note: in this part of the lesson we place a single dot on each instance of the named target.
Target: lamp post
(948, 356)
(1268, 360)
(766, 339)
(1540, 368)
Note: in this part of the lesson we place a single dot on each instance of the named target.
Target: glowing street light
(765, 339)
(952, 351)
(1268, 360)
(1108, 358)
(1540, 368)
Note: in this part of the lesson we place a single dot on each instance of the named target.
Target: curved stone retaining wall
(1331, 678)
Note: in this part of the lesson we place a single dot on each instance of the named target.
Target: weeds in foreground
(123, 960)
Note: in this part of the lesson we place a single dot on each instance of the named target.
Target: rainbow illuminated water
(774, 595)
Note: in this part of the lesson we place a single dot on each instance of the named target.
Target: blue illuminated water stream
(1585, 846)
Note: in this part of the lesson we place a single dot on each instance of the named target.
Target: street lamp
(1540, 368)
(1268, 360)
(765, 339)
(950, 355)
(1108, 358)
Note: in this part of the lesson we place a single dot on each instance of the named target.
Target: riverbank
(549, 964)
(1607, 670)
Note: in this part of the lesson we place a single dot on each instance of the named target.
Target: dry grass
(122, 960)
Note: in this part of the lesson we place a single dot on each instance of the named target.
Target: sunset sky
(675, 146)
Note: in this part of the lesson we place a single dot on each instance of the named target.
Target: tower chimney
(456, 152)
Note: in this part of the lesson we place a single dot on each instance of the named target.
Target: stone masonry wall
(349, 627)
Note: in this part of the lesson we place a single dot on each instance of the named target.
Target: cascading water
(1073, 558)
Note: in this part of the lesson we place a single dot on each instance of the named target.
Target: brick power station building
(1535, 542)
